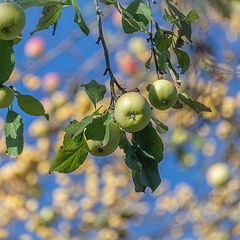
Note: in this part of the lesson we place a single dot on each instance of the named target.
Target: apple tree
(129, 121)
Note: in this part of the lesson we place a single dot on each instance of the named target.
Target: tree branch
(150, 38)
(101, 39)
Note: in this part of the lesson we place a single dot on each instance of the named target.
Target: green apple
(162, 94)
(6, 96)
(97, 147)
(12, 20)
(132, 112)
(217, 174)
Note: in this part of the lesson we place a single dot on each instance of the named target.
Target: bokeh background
(98, 201)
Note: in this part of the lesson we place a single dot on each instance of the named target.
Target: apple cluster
(12, 22)
(132, 113)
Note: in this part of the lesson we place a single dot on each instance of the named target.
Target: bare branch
(101, 39)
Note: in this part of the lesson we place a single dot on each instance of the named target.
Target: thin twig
(101, 39)
(150, 38)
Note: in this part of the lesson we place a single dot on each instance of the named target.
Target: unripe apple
(6, 96)
(132, 112)
(34, 47)
(162, 94)
(97, 147)
(51, 81)
(12, 20)
(217, 174)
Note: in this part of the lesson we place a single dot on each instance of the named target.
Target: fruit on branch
(34, 47)
(127, 63)
(98, 147)
(217, 174)
(50, 81)
(12, 20)
(6, 96)
(162, 94)
(132, 112)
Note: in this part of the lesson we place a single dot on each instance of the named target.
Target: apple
(50, 81)
(34, 47)
(97, 147)
(12, 20)
(6, 96)
(132, 112)
(137, 45)
(217, 174)
(162, 94)
(126, 62)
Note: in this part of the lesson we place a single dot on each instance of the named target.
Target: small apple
(162, 94)
(6, 96)
(126, 62)
(50, 81)
(12, 20)
(34, 47)
(97, 147)
(217, 174)
(132, 112)
(137, 45)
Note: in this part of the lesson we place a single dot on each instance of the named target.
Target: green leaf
(69, 156)
(148, 63)
(149, 172)
(50, 15)
(79, 19)
(75, 128)
(98, 129)
(160, 127)
(31, 105)
(162, 41)
(169, 18)
(194, 104)
(149, 143)
(14, 134)
(131, 157)
(161, 57)
(183, 59)
(136, 17)
(7, 60)
(191, 17)
(31, 3)
(136, 176)
(95, 91)
(177, 105)
(132, 162)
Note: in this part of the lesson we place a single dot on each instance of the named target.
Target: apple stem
(108, 69)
